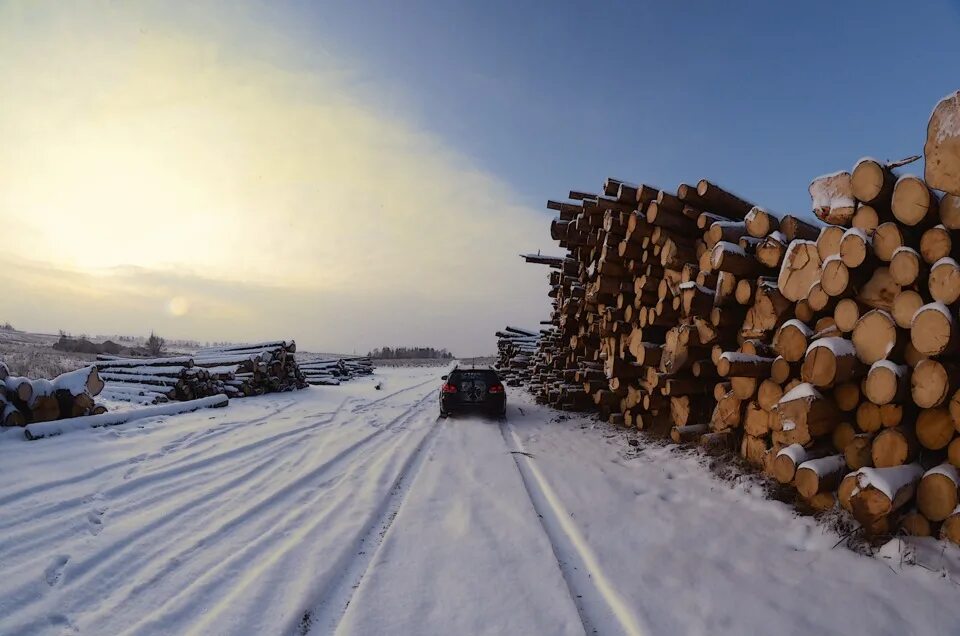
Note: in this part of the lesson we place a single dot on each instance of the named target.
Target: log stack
(26, 401)
(825, 352)
(333, 371)
(516, 349)
(237, 371)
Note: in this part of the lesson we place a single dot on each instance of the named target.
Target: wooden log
(905, 305)
(753, 449)
(771, 250)
(934, 428)
(950, 529)
(830, 361)
(847, 396)
(950, 211)
(867, 218)
(730, 257)
(857, 451)
(757, 421)
(688, 434)
(942, 148)
(717, 442)
(937, 492)
(732, 364)
(800, 269)
(887, 382)
(889, 237)
(872, 417)
(932, 382)
(789, 458)
(820, 475)
(794, 229)
(833, 200)
(876, 337)
(944, 281)
(716, 199)
(914, 524)
(913, 203)
(894, 447)
(880, 492)
(760, 223)
(936, 243)
(856, 248)
(727, 414)
(933, 330)
(768, 394)
(804, 414)
(828, 243)
(873, 182)
(846, 314)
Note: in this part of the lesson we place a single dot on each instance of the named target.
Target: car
(476, 389)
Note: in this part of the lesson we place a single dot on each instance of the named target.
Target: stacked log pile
(516, 349)
(237, 371)
(333, 371)
(825, 353)
(25, 401)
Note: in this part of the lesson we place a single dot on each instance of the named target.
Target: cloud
(146, 161)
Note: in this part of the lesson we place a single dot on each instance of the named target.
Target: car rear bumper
(494, 403)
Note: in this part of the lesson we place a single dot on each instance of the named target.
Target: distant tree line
(403, 353)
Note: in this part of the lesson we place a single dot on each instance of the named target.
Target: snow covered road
(353, 511)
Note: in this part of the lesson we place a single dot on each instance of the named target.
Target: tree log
(942, 148)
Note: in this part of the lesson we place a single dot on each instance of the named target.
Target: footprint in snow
(55, 570)
(95, 521)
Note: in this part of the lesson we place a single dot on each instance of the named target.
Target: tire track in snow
(301, 520)
(141, 550)
(602, 610)
(366, 405)
(328, 612)
(45, 488)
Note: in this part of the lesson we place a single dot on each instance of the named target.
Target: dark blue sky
(759, 96)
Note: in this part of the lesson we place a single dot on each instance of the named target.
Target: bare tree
(155, 344)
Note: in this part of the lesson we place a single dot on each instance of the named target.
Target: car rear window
(487, 376)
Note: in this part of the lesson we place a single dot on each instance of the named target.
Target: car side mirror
(443, 377)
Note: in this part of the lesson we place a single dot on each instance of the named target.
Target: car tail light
(448, 388)
(496, 388)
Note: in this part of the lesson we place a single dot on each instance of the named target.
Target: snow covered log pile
(516, 349)
(825, 352)
(24, 401)
(333, 371)
(237, 371)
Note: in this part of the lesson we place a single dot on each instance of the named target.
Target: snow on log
(48, 429)
(832, 197)
(937, 493)
(818, 475)
(880, 492)
(942, 148)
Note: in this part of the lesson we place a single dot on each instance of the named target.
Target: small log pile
(516, 349)
(237, 371)
(827, 354)
(333, 371)
(26, 401)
